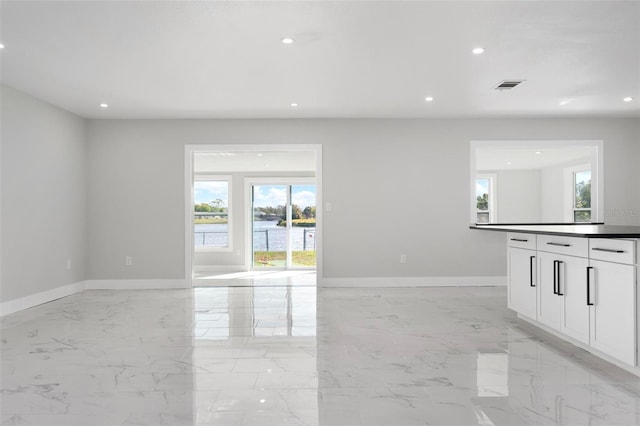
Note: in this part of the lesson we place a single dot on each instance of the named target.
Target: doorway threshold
(277, 278)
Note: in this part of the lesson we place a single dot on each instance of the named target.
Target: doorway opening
(252, 209)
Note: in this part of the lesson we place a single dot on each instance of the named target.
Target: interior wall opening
(251, 215)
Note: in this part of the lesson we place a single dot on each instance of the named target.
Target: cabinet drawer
(570, 246)
(519, 240)
(609, 250)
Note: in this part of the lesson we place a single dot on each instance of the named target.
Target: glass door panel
(270, 233)
(303, 226)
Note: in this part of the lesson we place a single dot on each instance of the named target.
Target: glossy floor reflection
(254, 356)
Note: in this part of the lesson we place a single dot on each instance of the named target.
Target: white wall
(519, 198)
(44, 196)
(554, 197)
(397, 186)
(556, 202)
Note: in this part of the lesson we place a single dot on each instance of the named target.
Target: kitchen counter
(585, 231)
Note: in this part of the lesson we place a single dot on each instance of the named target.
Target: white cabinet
(549, 302)
(583, 288)
(522, 274)
(572, 284)
(522, 281)
(613, 310)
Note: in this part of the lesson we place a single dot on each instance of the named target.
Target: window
(212, 212)
(582, 196)
(485, 199)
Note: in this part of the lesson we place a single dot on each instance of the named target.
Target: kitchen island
(578, 282)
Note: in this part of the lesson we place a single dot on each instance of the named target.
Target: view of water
(216, 235)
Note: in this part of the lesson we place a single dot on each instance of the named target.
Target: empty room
(330, 213)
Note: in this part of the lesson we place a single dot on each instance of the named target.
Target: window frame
(492, 188)
(209, 177)
(574, 171)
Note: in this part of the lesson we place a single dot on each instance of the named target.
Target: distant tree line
(215, 206)
(308, 212)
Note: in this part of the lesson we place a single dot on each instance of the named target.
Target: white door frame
(190, 150)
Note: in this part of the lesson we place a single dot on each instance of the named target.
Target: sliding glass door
(283, 226)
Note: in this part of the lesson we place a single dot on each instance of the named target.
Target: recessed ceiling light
(538, 152)
(628, 99)
(429, 99)
(287, 40)
(259, 154)
(508, 163)
(267, 165)
(565, 102)
(1, 46)
(478, 51)
(293, 104)
(104, 105)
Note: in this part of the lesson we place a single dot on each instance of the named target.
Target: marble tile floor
(284, 356)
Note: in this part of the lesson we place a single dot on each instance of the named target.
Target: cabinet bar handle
(559, 262)
(555, 277)
(531, 284)
(607, 250)
(559, 244)
(589, 302)
(519, 240)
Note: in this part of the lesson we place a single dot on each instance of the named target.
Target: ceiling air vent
(508, 84)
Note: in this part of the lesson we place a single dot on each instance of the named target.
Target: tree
(216, 205)
(483, 202)
(296, 213)
(583, 195)
(309, 212)
(202, 207)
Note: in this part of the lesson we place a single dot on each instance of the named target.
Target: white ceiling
(224, 59)
(529, 157)
(254, 161)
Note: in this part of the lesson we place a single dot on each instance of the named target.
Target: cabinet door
(522, 281)
(613, 294)
(572, 284)
(562, 302)
(549, 302)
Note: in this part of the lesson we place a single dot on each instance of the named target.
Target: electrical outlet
(403, 258)
(128, 260)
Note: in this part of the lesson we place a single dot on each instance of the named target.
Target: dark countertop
(585, 231)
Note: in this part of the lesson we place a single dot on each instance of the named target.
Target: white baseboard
(144, 284)
(414, 282)
(15, 305)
